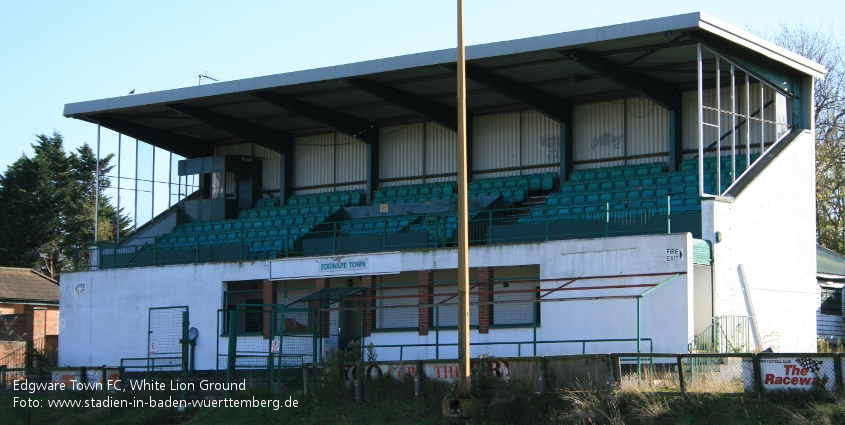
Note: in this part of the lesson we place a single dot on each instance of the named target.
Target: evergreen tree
(48, 205)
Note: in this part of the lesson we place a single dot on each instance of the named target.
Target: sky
(58, 52)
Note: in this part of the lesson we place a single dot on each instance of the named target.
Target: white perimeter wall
(108, 321)
(769, 228)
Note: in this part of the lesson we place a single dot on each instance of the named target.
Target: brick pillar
(425, 278)
(323, 332)
(368, 319)
(485, 297)
(269, 297)
(39, 323)
(29, 323)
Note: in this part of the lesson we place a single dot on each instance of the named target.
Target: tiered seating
(623, 190)
(375, 226)
(441, 228)
(267, 229)
(726, 169)
(634, 190)
(618, 171)
(344, 198)
(513, 189)
(415, 193)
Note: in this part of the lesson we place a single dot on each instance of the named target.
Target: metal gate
(167, 339)
(266, 342)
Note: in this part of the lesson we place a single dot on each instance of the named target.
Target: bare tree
(824, 44)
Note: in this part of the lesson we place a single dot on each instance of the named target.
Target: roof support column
(676, 137)
(373, 165)
(286, 173)
(566, 146)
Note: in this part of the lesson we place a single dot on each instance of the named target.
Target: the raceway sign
(796, 374)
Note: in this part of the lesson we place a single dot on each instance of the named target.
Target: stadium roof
(655, 58)
(25, 286)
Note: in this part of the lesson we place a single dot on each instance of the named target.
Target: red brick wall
(485, 297)
(35, 323)
(7, 347)
(38, 317)
(368, 319)
(269, 292)
(425, 278)
(52, 321)
(17, 325)
(324, 315)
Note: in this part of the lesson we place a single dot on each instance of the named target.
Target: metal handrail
(519, 344)
(435, 224)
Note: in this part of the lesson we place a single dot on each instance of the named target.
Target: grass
(389, 401)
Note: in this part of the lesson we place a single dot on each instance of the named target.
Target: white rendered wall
(108, 321)
(769, 228)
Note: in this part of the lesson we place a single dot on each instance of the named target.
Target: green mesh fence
(264, 345)
(167, 341)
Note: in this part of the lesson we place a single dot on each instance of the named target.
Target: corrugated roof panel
(506, 61)
(339, 100)
(215, 101)
(381, 112)
(410, 74)
(317, 86)
(291, 124)
(487, 99)
(583, 88)
(631, 42)
(674, 55)
(534, 74)
(428, 88)
(176, 121)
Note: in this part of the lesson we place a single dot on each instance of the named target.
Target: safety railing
(394, 233)
(727, 334)
(518, 344)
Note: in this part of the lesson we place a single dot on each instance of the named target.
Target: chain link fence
(724, 373)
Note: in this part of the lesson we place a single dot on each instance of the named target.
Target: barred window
(446, 305)
(296, 315)
(514, 308)
(397, 307)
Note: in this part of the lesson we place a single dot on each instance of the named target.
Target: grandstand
(631, 186)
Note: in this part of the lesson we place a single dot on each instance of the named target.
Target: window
(446, 305)
(831, 301)
(250, 319)
(515, 308)
(391, 313)
(296, 313)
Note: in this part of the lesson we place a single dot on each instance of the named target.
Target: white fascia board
(438, 57)
(757, 44)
